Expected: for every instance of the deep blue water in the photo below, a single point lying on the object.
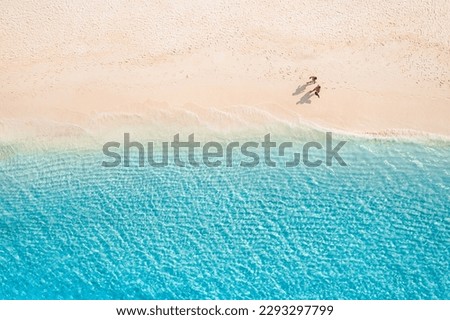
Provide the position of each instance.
(378, 228)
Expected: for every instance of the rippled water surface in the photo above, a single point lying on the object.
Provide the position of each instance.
(376, 229)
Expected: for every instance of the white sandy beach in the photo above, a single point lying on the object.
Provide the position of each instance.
(95, 69)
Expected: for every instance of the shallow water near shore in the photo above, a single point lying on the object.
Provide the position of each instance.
(378, 228)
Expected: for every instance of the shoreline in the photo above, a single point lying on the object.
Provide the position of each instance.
(308, 132)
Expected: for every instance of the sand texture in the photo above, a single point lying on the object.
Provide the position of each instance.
(73, 69)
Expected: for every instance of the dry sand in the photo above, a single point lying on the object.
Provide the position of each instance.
(77, 69)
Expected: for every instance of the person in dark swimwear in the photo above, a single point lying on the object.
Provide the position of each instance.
(312, 80)
(316, 91)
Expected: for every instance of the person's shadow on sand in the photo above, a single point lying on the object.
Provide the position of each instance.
(306, 98)
(300, 89)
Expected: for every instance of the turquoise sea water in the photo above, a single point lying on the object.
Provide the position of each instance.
(376, 229)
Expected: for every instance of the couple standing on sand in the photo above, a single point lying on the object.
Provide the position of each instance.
(316, 90)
